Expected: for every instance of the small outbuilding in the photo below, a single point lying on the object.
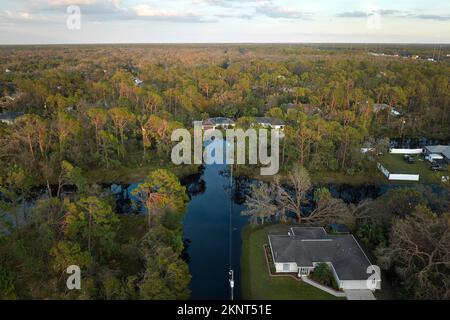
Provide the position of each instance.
(9, 117)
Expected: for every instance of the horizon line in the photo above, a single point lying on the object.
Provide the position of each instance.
(222, 43)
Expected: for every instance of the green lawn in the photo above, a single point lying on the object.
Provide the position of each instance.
(256, 282)
(396, 165)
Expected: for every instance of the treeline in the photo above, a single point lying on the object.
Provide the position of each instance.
(94, 111)
(120, 257)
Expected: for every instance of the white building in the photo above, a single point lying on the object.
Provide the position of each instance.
(438, 152)
(270, 123)
(218, 123)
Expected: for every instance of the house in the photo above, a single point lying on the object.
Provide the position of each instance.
(305, 247)
(377, 107)
(218, 123)
(438, 152)
(9, 117)
(138, 81)
(271, 123)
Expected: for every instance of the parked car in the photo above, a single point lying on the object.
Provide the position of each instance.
(438, 167)
(409, 159)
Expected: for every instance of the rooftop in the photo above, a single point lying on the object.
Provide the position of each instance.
(268, 120)
(218, 121)
(305, 246)
(445, 150)
(9, 116)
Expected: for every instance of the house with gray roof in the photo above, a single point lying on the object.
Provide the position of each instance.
(304, 248)
(9, 117)
(267, 122)
(218, 123)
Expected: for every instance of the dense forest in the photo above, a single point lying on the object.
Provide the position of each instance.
(85, 115)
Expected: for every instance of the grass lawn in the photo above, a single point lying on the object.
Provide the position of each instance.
(322, 177)
(396, 165)
(256, 282)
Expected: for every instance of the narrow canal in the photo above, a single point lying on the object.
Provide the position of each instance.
(210, 215)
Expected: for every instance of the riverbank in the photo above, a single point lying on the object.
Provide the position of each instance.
(257, 284)
(371, 177)
(137, 173)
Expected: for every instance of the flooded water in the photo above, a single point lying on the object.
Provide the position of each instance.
(213, 223)
(207, 224)
(212, 227)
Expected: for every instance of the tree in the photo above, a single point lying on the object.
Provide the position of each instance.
(145, 132)
(14, 187)
(166, 277)
(7, 286)
(108, 146)
(161, 191)
(92, 222)
(71, 174)
(292, 200)
(66, 253)
(260, 204)
(98, 117)
(67, 127)
(329, 210)
(121, 117)
(419, 253)
(152, 101)
(32, 130)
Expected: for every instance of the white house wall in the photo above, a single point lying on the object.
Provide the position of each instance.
(356, 285)
(292, 267)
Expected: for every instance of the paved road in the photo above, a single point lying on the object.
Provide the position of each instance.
(359, 295)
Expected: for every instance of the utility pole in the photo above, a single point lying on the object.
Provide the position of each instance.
(231, 273)
(401, 132)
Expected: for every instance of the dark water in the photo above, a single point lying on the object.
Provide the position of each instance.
(212, 228)
(413, 143)
(207, 228)
(207, 223)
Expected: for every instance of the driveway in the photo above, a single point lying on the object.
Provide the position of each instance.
(359, 295)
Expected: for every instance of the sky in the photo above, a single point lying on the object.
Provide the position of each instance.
(224, 21)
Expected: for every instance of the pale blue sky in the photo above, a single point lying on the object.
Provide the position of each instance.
(169, 21)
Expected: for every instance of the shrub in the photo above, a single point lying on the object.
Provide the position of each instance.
(322, 274)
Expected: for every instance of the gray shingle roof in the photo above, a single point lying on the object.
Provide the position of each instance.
(218, 121)
(10, 116)
(306, 245)
(268, 120)
(445, 150)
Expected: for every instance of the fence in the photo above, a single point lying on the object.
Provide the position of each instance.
(399, 177)
(404, 177)
(406, 151)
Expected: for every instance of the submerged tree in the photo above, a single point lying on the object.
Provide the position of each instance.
(292, 200)
(260, 204)
(419, 252)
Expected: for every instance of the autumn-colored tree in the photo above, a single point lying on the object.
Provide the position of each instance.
(121, 117)
(98, 117)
